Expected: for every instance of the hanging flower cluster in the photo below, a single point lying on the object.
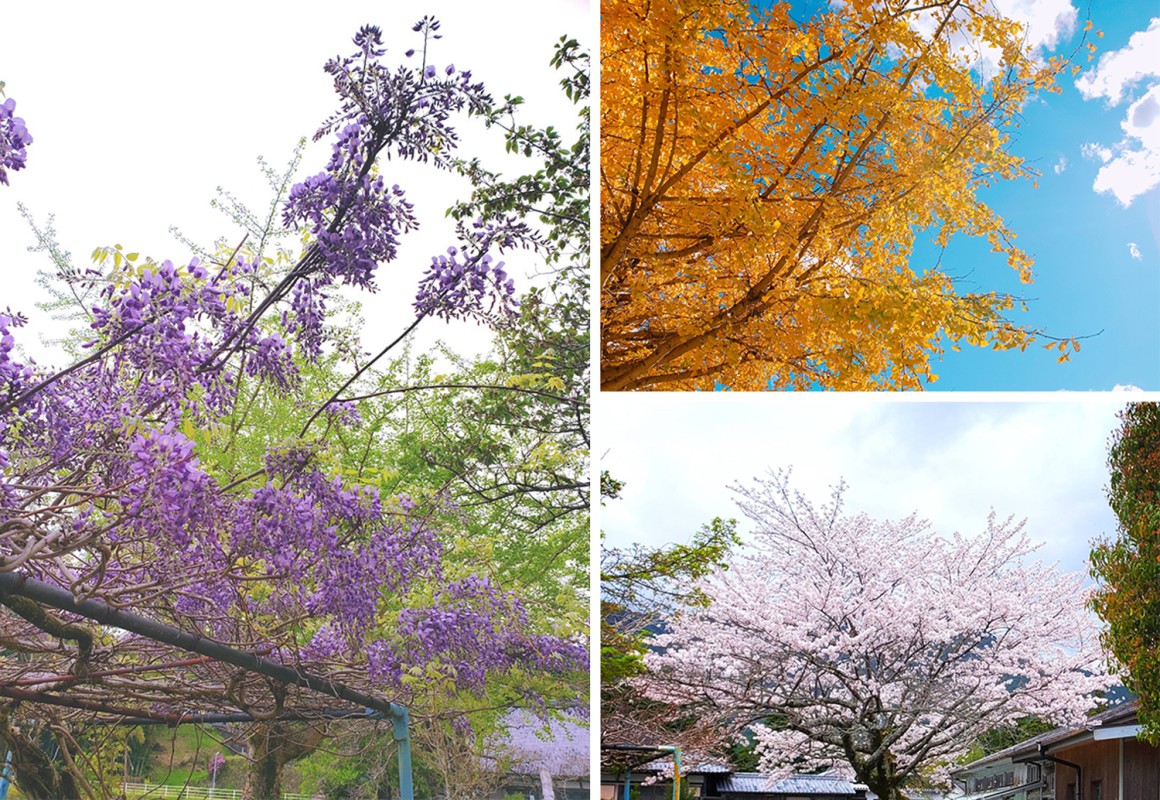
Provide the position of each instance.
(102, 490)
(470, 626)
(470, 282)
(353, 217)
(14, 140)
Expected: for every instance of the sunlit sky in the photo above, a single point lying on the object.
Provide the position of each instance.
(139, 110)
(1093, 225)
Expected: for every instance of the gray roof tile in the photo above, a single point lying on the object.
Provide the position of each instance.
(756, 782)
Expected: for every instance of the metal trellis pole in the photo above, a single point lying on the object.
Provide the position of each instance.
(402, 724)
(5, 781)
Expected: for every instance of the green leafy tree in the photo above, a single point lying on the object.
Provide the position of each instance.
(1128, 565)
(641, 588)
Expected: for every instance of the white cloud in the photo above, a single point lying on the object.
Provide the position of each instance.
(1119, 387)
(1046, 21)
(1134, 251)
(1136, 166)
(1121, 69)
(1093, 150)
(1060, 165)
(1132, 166)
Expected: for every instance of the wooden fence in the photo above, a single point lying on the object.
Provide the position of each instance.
(134, 791)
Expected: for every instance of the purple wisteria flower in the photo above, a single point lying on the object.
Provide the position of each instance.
(14, 140)
(481, 630)
(102, 459)
(166, 311)
(272, 360)
(472, 283)
(354, 218)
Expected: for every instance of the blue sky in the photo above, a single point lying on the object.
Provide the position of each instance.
(1088, 277)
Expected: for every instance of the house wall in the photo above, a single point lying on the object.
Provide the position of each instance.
(612, 786)
(1141, 770)
(1001, 775)
(1100, 762)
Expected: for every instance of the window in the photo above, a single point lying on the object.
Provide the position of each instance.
(1097, 790)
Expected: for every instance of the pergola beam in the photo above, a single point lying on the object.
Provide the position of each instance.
(19, 585)
(13, 583)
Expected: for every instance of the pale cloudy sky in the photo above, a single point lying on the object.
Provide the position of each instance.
(138, 110)
(952, 462)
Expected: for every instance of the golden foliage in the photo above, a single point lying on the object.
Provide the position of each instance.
(763, 179)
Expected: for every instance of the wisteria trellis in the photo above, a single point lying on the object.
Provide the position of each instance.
(102, 490)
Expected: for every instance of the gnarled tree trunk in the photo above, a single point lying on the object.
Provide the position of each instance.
(36, 775)
(274, 745)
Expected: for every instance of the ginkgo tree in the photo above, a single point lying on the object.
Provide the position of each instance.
(877, 646)
(764, 176)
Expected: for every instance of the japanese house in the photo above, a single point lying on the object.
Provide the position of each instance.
(1100, 760)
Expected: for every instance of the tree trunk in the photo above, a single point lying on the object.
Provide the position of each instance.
(272, 747)
(34, 774)
(546, 789)
(881, 776)
(884, 783)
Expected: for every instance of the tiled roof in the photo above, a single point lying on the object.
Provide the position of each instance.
(665, 764)
(709, 768)
(756, 782)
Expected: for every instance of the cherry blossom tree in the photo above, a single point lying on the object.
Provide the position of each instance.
(877, 646)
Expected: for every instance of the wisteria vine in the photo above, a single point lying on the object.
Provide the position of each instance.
(103, 492)
(14, 140)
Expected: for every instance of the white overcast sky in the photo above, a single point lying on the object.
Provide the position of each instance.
(951, 462)
(138, 110)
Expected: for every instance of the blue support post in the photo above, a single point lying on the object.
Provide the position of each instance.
(627, 783)
(5, 778)
(401, 720)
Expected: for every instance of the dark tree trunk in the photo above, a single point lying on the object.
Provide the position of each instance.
(272, 747)
(36, 775)
(880, 774)
(883, 781)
